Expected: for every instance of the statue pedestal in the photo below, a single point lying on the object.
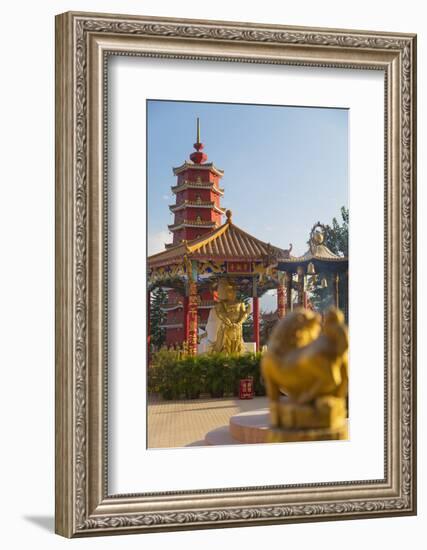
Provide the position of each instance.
(205, 346)
(282, 435)
(254, 427)
(325, 412)
(247, 427)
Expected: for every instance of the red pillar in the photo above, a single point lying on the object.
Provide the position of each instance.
(193, 303)
(288, 283)
(281, 300)
(255, 314)
(301, 289)
(185, 318)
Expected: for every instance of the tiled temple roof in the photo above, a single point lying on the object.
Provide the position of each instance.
(317, 252)
(227, 242)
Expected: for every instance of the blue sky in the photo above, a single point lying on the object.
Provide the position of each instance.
(285, 168)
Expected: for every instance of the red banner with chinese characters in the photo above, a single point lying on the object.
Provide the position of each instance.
(246, 388)
(239, 267)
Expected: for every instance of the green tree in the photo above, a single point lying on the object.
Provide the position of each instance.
(158, 298)
(336, 236)
(336, 239)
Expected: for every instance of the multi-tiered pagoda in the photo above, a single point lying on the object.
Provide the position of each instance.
(197, 207)
(197, 211)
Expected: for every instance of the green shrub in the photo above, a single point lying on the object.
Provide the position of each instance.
(175, 375)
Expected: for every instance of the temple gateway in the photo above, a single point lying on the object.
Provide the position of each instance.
(211, 265)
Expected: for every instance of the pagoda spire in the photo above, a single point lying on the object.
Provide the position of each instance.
(198, 157)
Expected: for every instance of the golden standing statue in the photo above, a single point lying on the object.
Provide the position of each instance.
(231, 315)
(308, 361)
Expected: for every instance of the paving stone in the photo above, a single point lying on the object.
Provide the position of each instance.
(185, 423)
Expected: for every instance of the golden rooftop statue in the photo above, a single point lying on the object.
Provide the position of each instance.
(308, 361)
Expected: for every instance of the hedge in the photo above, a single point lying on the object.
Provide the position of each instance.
(174, 375)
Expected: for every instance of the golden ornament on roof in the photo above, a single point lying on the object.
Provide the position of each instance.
(317, 234)
(318, 237)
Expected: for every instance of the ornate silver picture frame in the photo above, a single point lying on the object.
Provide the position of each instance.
(84, 42)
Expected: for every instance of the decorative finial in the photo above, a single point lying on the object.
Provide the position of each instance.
(317, 235)
(198, 157)
(229, 215)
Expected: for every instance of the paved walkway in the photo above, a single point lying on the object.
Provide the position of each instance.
(185, 423)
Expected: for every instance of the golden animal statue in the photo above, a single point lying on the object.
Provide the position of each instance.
(308, 362)
(231, 315)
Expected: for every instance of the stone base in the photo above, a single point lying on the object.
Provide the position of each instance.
(325, 412)
(250, 427)
(281, 435)
(254, 427)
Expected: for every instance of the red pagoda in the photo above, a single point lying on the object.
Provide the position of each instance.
(197, 211)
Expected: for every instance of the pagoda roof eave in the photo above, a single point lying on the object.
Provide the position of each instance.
(191, 165)
(194, 204)
(321, 257)
(189, 223)
(311, 258)
(195, 185)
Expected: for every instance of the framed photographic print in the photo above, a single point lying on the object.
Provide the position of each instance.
(235, 274)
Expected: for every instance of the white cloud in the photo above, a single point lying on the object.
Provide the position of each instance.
(166, 197)
(156, 241)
